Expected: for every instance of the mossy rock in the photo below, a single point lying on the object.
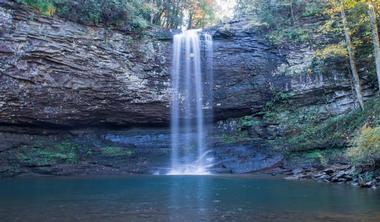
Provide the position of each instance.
(67, 153)
(113, 151)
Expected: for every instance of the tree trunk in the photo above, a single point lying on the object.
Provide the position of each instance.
(375, 36)
(292, 12)
(190, 23)
(351, 53)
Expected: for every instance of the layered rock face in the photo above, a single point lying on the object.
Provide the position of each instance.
(244, 64)
(57, 73)
(58, 77)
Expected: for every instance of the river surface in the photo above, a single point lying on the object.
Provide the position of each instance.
(182, 199)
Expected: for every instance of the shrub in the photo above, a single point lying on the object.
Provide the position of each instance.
(46, 7)
(289, 34)
(308, 129)
(313, 9)
(246, 122)
(316, 157)
(366, 146)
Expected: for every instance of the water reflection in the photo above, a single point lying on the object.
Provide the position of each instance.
(189, 197)
(183, 199)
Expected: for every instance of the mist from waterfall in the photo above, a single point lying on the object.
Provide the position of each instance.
(191, 102)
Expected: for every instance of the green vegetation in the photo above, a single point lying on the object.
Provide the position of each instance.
(123, 14)
(46, 7)
(366, 146)
(246, 122)
(238, 129)
(341, 36)
(129, 14)
(60, 153)
(289, 21)
(111, 151)
(294, 34)
(308, 128)
(333, 52)
(318, 24)
(313, 134)
(317, 157)
(283, 21)
(65, 153)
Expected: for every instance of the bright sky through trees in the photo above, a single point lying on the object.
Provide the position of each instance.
(225, 9)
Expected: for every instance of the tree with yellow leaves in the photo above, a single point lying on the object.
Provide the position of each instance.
(201, 13)
(341, 6)
(373, 6)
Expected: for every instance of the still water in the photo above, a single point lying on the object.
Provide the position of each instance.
(182, 199)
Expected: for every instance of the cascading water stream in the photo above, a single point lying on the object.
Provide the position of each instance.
(191, 103)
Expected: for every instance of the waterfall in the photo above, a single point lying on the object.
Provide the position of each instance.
(191, 102)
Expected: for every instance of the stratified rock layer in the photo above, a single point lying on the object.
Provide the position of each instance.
(55, 72)
(59, 73)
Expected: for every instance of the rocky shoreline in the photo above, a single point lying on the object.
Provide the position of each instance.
(365, 177)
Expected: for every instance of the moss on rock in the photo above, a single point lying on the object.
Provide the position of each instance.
(39, 155)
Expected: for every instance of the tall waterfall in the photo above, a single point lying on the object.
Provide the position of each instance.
(191, 102)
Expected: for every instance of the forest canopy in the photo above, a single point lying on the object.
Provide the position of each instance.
(173, 14)
(132, 14)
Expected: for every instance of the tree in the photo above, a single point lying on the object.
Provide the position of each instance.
(274, 12)
(201, 13)
(130, 14)
(375, 38)
(171, 13)
(340, 6)
(351, 53)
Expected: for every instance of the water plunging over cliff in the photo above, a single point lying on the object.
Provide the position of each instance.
(191, 103)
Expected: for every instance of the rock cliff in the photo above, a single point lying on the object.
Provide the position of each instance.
(57, 73)
(58, 78)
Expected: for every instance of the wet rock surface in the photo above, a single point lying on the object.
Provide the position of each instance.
(244, 158)
(116, 152)
(85, 152)
(365, 177)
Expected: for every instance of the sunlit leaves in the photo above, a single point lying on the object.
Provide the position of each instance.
(337, 5)
(46, 7)
(366, 146)
(332, 50)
